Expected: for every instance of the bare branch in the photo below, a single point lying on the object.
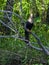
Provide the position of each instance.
(40, 43)
(20, 38)
(11, 13)
(7, 26)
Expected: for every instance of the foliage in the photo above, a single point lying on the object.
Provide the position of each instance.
(18, 46)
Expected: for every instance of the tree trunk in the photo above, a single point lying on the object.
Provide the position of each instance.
(47, 17)
(8, 7)
(35, 8)
(43, 15)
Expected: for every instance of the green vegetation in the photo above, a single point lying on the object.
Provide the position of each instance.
(10, 46)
